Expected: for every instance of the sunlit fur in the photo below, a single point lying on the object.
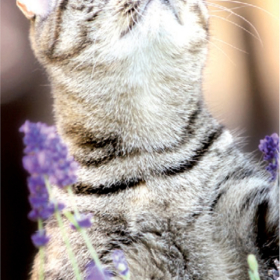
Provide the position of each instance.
(165, 181)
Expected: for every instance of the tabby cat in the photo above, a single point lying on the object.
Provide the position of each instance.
(166, 182)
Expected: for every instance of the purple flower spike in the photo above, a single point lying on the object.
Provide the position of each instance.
(84, 221)
(40, 239)
(48, 155)
(60, 206)
(39, 199)
(120, 262)
(36, 135)
(94, 273)
(43, 212)
(269, 146)
(36, 184)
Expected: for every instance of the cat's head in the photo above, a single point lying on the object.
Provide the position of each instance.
(86, 33)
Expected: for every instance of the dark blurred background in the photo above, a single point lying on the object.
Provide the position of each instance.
(240, 88)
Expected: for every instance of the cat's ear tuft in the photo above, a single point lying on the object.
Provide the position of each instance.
(32, 8)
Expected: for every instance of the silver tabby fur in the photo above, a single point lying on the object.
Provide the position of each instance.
(166, 183)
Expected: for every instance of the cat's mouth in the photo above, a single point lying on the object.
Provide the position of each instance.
(174, 8)
(135, 13)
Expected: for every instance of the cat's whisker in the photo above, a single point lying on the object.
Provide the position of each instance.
(133, 19)
(234, 8)
(239, 16)
(140, 14)
(230, 45)
(223, 52)
(240, 26)
(248, 5)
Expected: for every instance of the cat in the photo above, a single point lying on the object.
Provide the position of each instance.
(166, 182)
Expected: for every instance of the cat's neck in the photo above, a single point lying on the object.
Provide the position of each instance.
(142, 112)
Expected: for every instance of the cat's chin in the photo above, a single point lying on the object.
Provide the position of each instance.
(164, 27)
(162, 31)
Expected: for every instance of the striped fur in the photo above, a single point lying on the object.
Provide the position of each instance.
(165, 181)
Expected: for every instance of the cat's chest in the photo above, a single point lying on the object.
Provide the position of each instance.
(167, 242)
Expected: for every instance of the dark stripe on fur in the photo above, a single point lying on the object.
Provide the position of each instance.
(131, 13)
(190, 129)
(133, 182)
(113, 144)
(108, 189)
(96, 162)
(253, 196)
(131, 24)
(55, 38)
(93, 16)
(57, 26)
(237, 174)
(84, 138)
(215, 201)
(199, 153)
(101, 143)
(266, 239)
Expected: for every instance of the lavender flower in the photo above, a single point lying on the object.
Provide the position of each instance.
(94, 273)
(39, 199)
(121, 263)
(36, 135)
(83, 221)
(40, 239)
(269, 146)
(47, 155)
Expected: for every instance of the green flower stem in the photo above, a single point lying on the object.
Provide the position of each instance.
(82, 231)
(93, 253)
(251, 275)
(91, 249)
(126, 277)
(40, 224)
(64, 235)
(68, 246)
(71, 218)
(73, 203)
(253, 266)
(41, 252)
(49, 189)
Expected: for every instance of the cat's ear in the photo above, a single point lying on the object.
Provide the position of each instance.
(31, 8)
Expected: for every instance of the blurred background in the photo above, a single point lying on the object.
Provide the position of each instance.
(241, 87)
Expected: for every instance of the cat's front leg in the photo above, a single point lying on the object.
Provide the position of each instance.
(246, 216)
